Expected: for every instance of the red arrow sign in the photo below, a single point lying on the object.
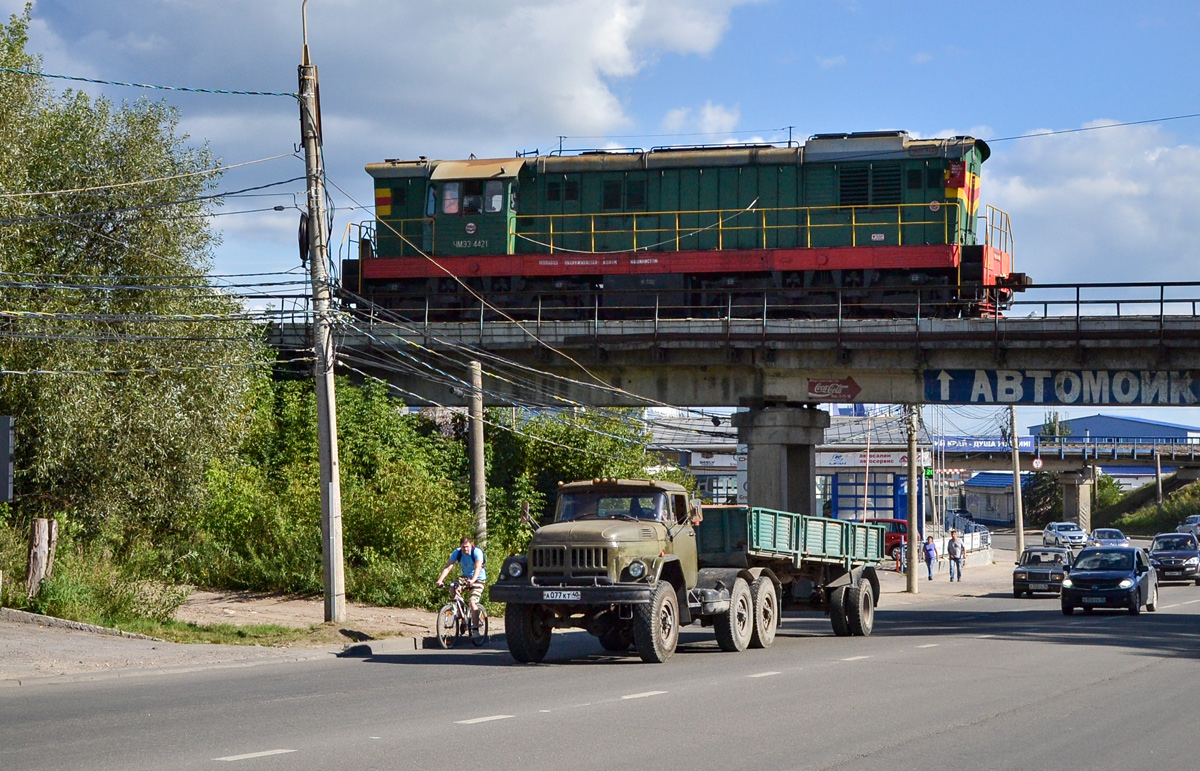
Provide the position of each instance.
(833, 390)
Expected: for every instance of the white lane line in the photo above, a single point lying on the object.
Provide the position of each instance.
(643, 695)
(250, 755)
(1164, 607)
(984, 636)
(856, 658)
(763, 674)
(930, 645)
(1189, 602)
(487, 719)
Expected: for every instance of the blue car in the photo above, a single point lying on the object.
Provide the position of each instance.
(1110, 577)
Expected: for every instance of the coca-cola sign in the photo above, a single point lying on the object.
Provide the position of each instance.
(843, 390)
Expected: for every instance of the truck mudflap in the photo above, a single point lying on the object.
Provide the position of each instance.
(616, 594)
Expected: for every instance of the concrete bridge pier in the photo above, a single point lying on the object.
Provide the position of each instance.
(1077, 497)
(781, 463)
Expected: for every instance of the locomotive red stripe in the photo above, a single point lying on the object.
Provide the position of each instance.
(632, 263)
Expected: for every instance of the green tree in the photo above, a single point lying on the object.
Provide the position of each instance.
(126, 372)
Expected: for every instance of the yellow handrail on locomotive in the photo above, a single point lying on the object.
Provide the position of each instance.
(557, 226)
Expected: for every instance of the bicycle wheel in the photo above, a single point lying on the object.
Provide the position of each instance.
(479, 631)
(447, 626)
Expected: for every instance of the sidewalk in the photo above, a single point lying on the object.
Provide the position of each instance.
(978, 581)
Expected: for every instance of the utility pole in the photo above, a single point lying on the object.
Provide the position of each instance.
(318, 257)
(1158, 488)
(914, 532)
(1018, 514)
(478, 467)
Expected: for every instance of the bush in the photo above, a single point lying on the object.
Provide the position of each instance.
(1147, 520)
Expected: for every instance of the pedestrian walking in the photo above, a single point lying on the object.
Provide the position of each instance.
(930, 555)
(956, 553)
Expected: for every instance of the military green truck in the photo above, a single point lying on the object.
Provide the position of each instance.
(633, 560)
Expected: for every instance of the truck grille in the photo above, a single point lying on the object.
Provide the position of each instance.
(580, 561)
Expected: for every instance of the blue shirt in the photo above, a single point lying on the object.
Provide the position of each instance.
(466, 562)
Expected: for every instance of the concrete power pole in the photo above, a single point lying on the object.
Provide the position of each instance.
(1018, 513)
(318, 253)
(478, 466)
(914, 488)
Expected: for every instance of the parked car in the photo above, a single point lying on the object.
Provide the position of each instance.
(1064, 534)
(1110, 577)
(1190, 524)
(1107, 536)
(895, 534)
(1041, 570)
(1176, 557)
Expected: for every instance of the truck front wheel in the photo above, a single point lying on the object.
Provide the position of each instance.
(766, 612)
(735, 626)
(528, 632)
(656, 625)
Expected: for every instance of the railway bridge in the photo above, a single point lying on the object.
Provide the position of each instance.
(1059, 345)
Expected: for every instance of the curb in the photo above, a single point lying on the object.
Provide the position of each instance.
(391, 645)
(25, 617)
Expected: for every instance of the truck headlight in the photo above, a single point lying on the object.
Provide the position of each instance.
(1125, 583)
(515, 569)
(637, 569)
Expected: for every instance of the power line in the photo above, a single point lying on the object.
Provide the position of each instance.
(94, 188)
(190, 89)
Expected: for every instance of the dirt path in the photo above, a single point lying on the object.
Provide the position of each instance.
(243, 608)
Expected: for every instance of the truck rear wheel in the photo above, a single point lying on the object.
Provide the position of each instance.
(656, 625)
(766, 612)
(735, 626)
(837, 611)
(528, 632)
(860, 609)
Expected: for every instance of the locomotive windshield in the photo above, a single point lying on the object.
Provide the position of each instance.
(640, 505)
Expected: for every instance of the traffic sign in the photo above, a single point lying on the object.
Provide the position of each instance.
(1037, 463)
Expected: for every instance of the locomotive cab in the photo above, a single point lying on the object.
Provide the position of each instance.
(470, 207)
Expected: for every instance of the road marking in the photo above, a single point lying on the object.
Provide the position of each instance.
(1176, 605)
(984, 636)
(643, 695)
(930, 645)
(856, 658)
(763, 674)
(1189, 602)
(487, 719)
(250, 755)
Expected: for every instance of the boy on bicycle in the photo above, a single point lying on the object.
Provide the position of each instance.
(470, 562)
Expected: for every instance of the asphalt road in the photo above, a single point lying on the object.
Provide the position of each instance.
(946, 681)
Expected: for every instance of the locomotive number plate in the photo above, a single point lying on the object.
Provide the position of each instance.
(556, 595)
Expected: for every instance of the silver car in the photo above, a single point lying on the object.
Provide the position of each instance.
(1108, 536)
(1190, 525)
(1064, 534)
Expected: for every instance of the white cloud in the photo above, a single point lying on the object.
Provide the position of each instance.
(708, 119)
(830, 62)
(1114, 204)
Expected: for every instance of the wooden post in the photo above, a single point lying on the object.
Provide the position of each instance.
(39, 553)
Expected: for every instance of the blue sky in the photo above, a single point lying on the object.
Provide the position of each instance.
(445, 79)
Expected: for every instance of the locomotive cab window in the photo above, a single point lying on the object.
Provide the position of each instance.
(472, 196)
(493, 196)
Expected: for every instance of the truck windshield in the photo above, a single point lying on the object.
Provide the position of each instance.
(641, 505)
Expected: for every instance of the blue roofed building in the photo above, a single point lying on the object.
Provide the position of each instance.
(988, 496)
(1120, 428)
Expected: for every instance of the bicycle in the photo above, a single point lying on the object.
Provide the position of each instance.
(454, 620)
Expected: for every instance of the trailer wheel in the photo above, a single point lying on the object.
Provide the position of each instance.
(860, 609)
(734, 627)
(766, 612)
(656, 625)
(527, 631)
(837, 611)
